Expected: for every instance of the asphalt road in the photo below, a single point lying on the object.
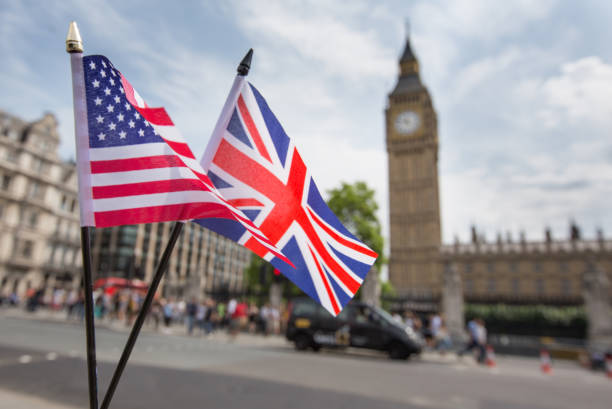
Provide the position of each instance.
(42, 365)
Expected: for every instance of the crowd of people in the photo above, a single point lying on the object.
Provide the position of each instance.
(199, 317)
(203, 317)
(437, 337)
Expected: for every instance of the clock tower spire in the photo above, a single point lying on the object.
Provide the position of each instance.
(412, 145)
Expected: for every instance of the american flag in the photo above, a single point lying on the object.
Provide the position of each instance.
(140, 168)
(256, 167)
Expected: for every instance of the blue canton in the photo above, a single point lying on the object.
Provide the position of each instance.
(112, 120)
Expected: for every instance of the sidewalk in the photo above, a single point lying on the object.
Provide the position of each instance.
(13, 400)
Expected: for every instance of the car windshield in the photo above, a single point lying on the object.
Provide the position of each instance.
(385, 316)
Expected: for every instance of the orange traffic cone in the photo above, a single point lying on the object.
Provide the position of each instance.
(609, 365)
(545, 363)
(490, 357)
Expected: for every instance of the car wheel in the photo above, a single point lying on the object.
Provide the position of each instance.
(398, 351)
(302, 342)
(316, 347)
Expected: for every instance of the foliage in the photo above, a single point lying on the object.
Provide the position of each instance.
(539, 320)
(259, 276)
(355, 206)
(387, 293)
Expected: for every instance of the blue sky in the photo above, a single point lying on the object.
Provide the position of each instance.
(523, 89)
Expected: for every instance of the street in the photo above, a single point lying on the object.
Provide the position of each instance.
(42, 365)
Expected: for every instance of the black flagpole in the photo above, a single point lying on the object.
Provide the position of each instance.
(89, 319)
(142, 314)
(74, 46)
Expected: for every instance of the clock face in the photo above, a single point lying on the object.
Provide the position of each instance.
(407, 122)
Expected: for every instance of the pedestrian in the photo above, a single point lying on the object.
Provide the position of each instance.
(191, 309)
(168, 308)
(481, 340)
(201, 317)
(472, 329)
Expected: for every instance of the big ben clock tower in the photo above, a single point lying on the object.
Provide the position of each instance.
(412, 145)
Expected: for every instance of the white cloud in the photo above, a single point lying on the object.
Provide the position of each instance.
(581, 93)
(329, 37)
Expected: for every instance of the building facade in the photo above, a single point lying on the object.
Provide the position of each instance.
(40, 244)
(549, 271)
(39, 221)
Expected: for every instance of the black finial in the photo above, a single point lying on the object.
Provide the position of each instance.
(245, 64)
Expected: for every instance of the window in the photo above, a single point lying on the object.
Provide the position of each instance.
(490, 267)
(26, 249)
(537, 267)
(6, 182)
(513, 267)
(491, 285)
(12, 155)
(32, 219)
(539, 286)
(566, 287)
(468, 268)
(563, 267)
(1, 210)
(36, 190)
(515, 286)
(469, 286)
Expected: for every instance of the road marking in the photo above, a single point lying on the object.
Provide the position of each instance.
(25, 359)
(51, 356)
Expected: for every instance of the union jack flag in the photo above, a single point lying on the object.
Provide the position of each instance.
(134, 165)
(257, 168)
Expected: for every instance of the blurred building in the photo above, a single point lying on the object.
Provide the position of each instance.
(202, 263)
(39, 221)
(548, 271)
(40, 228)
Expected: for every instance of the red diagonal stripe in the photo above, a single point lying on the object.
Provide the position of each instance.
(181, 148)
(250, 124)
(157, 116)
(328, 288)
(244, 202)
(340, 239)
(125, 165)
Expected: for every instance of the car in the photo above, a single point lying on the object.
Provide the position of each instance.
(359, 325)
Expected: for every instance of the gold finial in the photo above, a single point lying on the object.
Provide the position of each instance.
(74, 44)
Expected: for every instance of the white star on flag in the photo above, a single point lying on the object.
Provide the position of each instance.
(101, 135)
(140, 132)
(103, 74)
(122, 135)
(117, 99)
(112, 126)
(110, 108)
(107, 91)
(92, 65)
(96, 83)
(131, 123)
(98, 101)
(100, 119)
(120, 117)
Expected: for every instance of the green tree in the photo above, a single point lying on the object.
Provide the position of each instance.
(356, 207)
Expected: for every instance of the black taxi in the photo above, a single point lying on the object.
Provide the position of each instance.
(359, 325)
